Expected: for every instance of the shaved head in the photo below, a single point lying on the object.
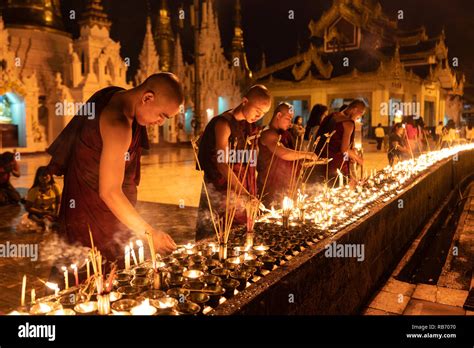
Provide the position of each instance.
(166, 84)
(160, 97)
(282, 116)
(258, 93)
(256, 103)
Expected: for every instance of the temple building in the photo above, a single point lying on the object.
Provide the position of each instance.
(356, 51)
(46, 73)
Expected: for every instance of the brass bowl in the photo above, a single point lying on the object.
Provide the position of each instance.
(86, 307)
(141, 271)
(188, 308)
(124, 305)
(165, 302)
(194, 285)
(230, 285)
(221, 272)
(242, 277)
(210, 279)
(153, 294)
(179, 294)
(200, 298)
(215, 294)
(128, 291)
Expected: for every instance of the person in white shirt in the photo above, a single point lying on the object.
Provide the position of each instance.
(379, 135)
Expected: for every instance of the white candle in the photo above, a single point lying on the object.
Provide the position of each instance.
(88, 268)
(66, 277)
(127, 258)
(341, 178)
(33, 295)
(23, 291)
(76, 275)
(132, 251)
(141, 251)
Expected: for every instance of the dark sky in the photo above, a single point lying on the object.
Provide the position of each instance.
(267, 27)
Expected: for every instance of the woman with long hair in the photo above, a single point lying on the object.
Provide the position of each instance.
(318, 113)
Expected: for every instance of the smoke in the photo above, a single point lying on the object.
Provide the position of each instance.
(54, 248)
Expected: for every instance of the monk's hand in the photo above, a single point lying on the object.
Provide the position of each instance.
(163, 243)
(311, 156)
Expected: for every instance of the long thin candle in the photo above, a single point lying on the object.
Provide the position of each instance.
(23, 291)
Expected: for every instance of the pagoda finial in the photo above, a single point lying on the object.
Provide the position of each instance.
(95, 15)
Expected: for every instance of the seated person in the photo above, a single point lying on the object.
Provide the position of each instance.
(42, 201)
(8, 167)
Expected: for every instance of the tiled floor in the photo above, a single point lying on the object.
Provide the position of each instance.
(398, 297)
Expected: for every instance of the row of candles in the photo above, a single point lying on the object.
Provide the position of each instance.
(334, 208)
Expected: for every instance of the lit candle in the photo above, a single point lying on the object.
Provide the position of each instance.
(88, 268)
(341, 178)
(127, 258)
(53, 286)
(144, 308)
(132, 251)
(23, 291)
(76, 275)
(33, 295)
(66, 277)
(141, 251)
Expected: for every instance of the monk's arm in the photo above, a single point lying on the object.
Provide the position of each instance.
(270, 140)
(222, 131)
(345, 145)
(116, 137)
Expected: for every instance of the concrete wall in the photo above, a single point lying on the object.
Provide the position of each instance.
(343, 285)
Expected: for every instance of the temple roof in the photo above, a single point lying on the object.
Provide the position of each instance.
(94, 14)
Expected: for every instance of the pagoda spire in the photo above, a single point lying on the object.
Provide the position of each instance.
(178, 63)
(239, 57)
(148, 59)
(164, 37)
(95, 15)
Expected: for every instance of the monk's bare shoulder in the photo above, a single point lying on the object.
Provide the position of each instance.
(114, 125)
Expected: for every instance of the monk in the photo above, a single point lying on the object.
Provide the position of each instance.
(279, 173)
(341, 144)
(99, 156)
(222, 134)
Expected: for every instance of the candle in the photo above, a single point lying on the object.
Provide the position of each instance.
(66, 277)
(53, 286)
(141, 252)
(132, 251)
(88, 268)
(143, 309)
(76, 275)
(127, 258)
(193, 274)
(33, 295)
(341, 178)
(23, 291)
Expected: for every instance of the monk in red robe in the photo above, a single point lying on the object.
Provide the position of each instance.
(99, 156)
(279, 173)
(341, 144)
(223, 135)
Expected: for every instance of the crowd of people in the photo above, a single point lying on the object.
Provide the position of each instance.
(100, 183)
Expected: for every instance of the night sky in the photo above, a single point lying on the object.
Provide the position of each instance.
(267, 27)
